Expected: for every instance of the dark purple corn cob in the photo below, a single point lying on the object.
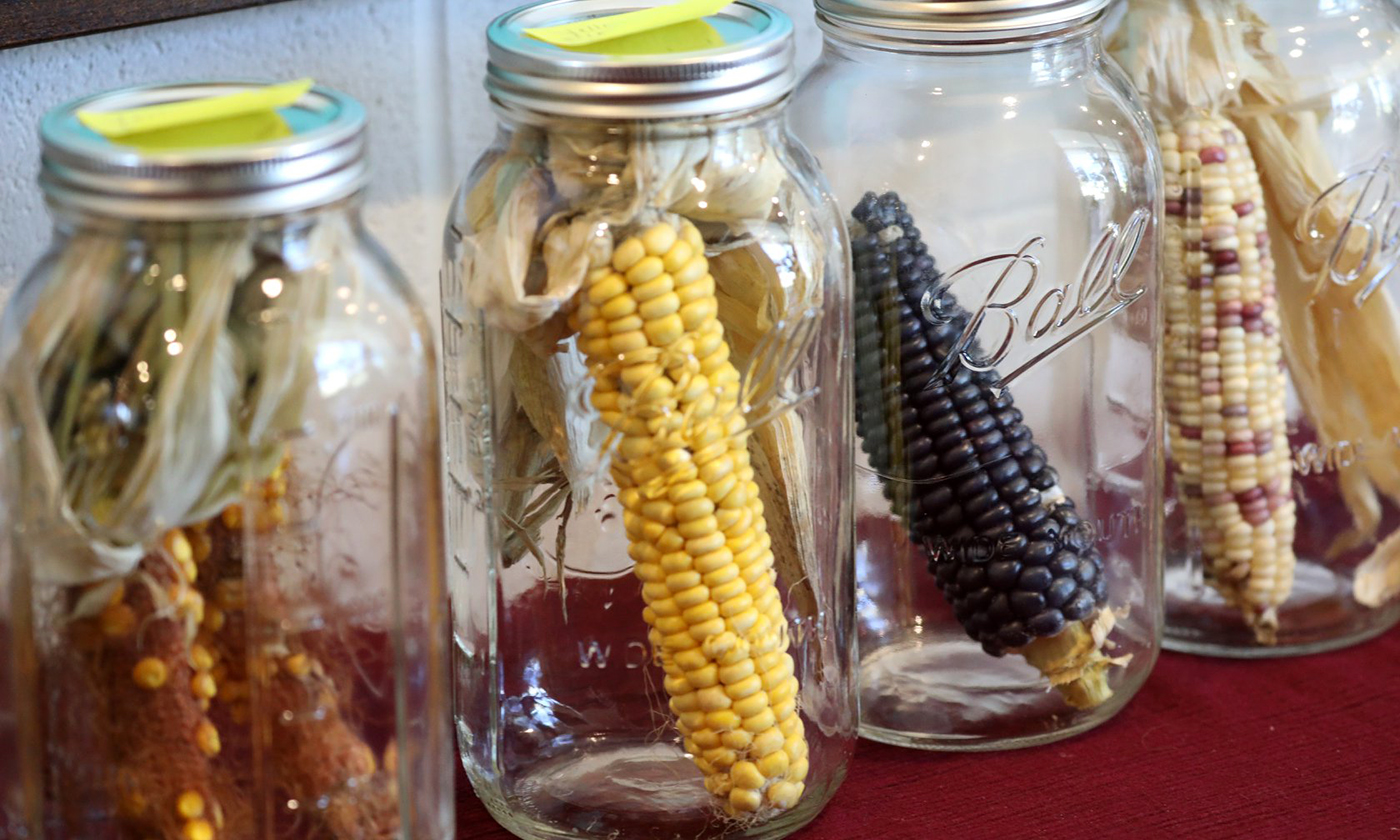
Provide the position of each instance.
(959, 465)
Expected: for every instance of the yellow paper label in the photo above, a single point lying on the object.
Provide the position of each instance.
(677, 38)
(595, 31)
(229, 131)
(197, 122)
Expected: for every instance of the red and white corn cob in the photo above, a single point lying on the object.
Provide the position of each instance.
(1225, 385)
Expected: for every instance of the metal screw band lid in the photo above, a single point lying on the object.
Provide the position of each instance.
(957, 20)
(321, 161)
(752, 68)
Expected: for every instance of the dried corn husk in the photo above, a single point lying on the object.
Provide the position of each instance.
(1378, 577)
(206, 392)
(749, 283)
(568, 189)
(1183, 56)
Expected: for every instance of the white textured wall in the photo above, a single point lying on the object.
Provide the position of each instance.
(416, 64)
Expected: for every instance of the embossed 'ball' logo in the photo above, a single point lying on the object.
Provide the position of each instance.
(1363, 209)
(1058, 313)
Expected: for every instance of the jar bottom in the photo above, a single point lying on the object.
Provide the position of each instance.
(936, 691)
(1319, 615)
(633, 787)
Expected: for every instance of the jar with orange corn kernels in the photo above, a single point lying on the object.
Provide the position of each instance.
(226, 604)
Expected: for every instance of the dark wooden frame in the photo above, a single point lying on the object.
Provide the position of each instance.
(31, 21)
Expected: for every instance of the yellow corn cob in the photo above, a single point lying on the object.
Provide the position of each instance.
(664, 383)
(1225, 387)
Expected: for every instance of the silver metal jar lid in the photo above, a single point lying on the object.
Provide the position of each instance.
(753, 67)
(322, 160)
(958, 20)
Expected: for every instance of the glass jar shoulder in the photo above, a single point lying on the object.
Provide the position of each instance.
(1347, 49)
(229, 298)
(723, 171)
(976, 140)
(549, 199)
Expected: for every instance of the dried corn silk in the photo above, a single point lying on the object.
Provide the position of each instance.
(292, 697)
(1341, 341)
(698, 536)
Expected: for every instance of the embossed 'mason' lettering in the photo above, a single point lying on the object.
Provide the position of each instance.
(1057, 314)
(592, 654)
(1123, 524)
(1314, 458)
(1310, 458)
(1366, 242)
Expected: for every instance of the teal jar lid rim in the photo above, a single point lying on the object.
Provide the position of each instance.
(320, 160)
(752, 68)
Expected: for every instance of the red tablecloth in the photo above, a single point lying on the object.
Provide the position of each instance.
(1210, 749)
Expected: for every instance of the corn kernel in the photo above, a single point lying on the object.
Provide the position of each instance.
(744, 800)
(298, 665)
(200, 544)
(206, 737)
(198, 829)
(190, 805)
(213, 619)
(117, 620)
(774, 764)
(178, 546)
(232, 517)
(784, 795)
(150, 673)
(203, 686)
(201, 658)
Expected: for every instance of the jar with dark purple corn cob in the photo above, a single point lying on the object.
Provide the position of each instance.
(1003, 197)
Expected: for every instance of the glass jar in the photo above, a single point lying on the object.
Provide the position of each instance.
(1280, 135)
(229, 605)
(647, 335)
(1002, 197)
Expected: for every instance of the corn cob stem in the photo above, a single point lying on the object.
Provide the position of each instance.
(663, 382)
(156, 683)
(963, 473)
(1225, 387)
(170, 652)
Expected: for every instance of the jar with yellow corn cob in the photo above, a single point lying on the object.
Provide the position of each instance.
(1280, 139)
(1001, 196)
(647, 339)
(227, 605)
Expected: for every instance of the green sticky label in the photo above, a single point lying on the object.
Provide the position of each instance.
(660, 29)
(244, 117)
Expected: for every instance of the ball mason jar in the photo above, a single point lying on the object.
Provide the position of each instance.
(1280, 137)
(645, 315)
(228, 602)
(1002, 193)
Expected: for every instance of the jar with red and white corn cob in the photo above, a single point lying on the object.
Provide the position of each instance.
(1282, 366)
(1001, 194)
(645, 313)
